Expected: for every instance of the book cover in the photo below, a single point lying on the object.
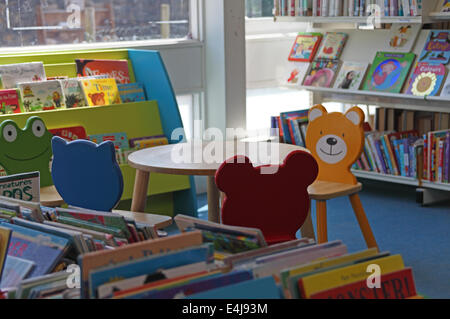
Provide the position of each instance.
(42, 96)
(45, 250)
(12, 74)
(427, 79)
(351, 75)
(99, 92)
(395, 285)
(321, 73)
(445, 92)
(389, 71)
(132, 92)
(332, 46)
(402, 37)
(148, 265)
(305, 47)
(99, 259)
(119, 139)
(10, 101)
(5, 236)
(71, 133)
(445, 8)
(437, 47)
(16, 269)
(284, 127)
(116, 69)
(73, 93)
(297, 72)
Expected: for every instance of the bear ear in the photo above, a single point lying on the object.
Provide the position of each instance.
(234, 171)
(316, 111)
(107, 148)
(302, 165)
(355, 115)
(58, 145)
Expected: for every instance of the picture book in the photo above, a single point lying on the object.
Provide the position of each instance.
(332, 46)
(297, 72)
(16, 269)
(120, 140)
(22, 72)
(427, 79)
(5, 236)
(284, 123)
(148, 141)
(388, 72)
(24, 186)
(437, 47)
(350, 75)
(116, 69)
(445, 8)
(132, 92)
(305, 47)
(445, 92)
(321, 73)
(98, 259)
(99, 92)
(33, 283)
(73, 93)
(402, 37)
(45, 250)
(397, 285)
(148, 265)
(42, 96)
(70, 133)
(10, 101)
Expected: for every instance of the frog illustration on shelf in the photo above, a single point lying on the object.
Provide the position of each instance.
(26, 150)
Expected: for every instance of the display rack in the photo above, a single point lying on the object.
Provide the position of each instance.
(159, 115)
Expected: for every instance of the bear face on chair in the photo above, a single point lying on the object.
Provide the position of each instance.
(336, 141)
(278, 203)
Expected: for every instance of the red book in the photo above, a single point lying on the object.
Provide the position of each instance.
(394, 285)
(117, 69)
(10, 101)
(70, 133)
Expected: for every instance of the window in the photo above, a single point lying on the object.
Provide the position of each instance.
(259, 8)
(49, 22)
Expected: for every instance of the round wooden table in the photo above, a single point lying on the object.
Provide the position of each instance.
(199, 159)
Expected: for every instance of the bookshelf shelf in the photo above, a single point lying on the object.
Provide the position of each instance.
(347, 19)
(440, 15)
(400, 180)
(391, 100)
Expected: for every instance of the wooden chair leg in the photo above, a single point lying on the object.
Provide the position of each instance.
(362, 220)
(321, 214)
(307, 229)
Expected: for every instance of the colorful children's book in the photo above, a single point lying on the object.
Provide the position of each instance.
(445, 6)
(401, 37)
(16, 269)
(388, 72)
(297, 72)
(332, 46)
(99, 92)
(44, 249)
(73, 93)
(305, 47)
(70, 133)
(120, 140)
(321, 73)
(132, 92)
(445, 92)
(427, 79)
(350, 75)
(5, 236)
(42, 96)
(10, 101)
(22, 72)
(117, 69)
(437, 47)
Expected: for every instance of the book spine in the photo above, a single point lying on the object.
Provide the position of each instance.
(390, 155)
(440, 176)
(380, 152)
(345, 8)
(314, 8)
(401, 158)
(436, 160)
(406, 9)
(306, 7)
(447, 158)
(400, 8)
(350, 8)
(293, 8)
(369, 155)
(374, 152)
(425, 157)
(366, 166)
(414, 8)
(405, 158)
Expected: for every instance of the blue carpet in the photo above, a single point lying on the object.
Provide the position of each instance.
(400, 225)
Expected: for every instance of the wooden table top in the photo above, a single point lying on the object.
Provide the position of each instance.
(175, 159)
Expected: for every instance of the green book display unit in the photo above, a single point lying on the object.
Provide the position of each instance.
(159, 115)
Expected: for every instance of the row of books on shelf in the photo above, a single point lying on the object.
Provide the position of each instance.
(115, 258)
(26, 88)
(316, 63)
(347, 8)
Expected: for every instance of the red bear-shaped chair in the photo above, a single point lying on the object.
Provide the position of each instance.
(275, 200)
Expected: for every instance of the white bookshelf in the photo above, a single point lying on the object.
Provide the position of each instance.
(441, 16)
(348, 20)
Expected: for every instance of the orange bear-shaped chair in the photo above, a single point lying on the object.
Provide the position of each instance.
(336, 141)
(275, 200)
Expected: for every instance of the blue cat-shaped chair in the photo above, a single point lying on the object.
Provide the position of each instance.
(87, 175)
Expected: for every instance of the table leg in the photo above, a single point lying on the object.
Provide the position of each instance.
(139, 200)
(213, 201)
